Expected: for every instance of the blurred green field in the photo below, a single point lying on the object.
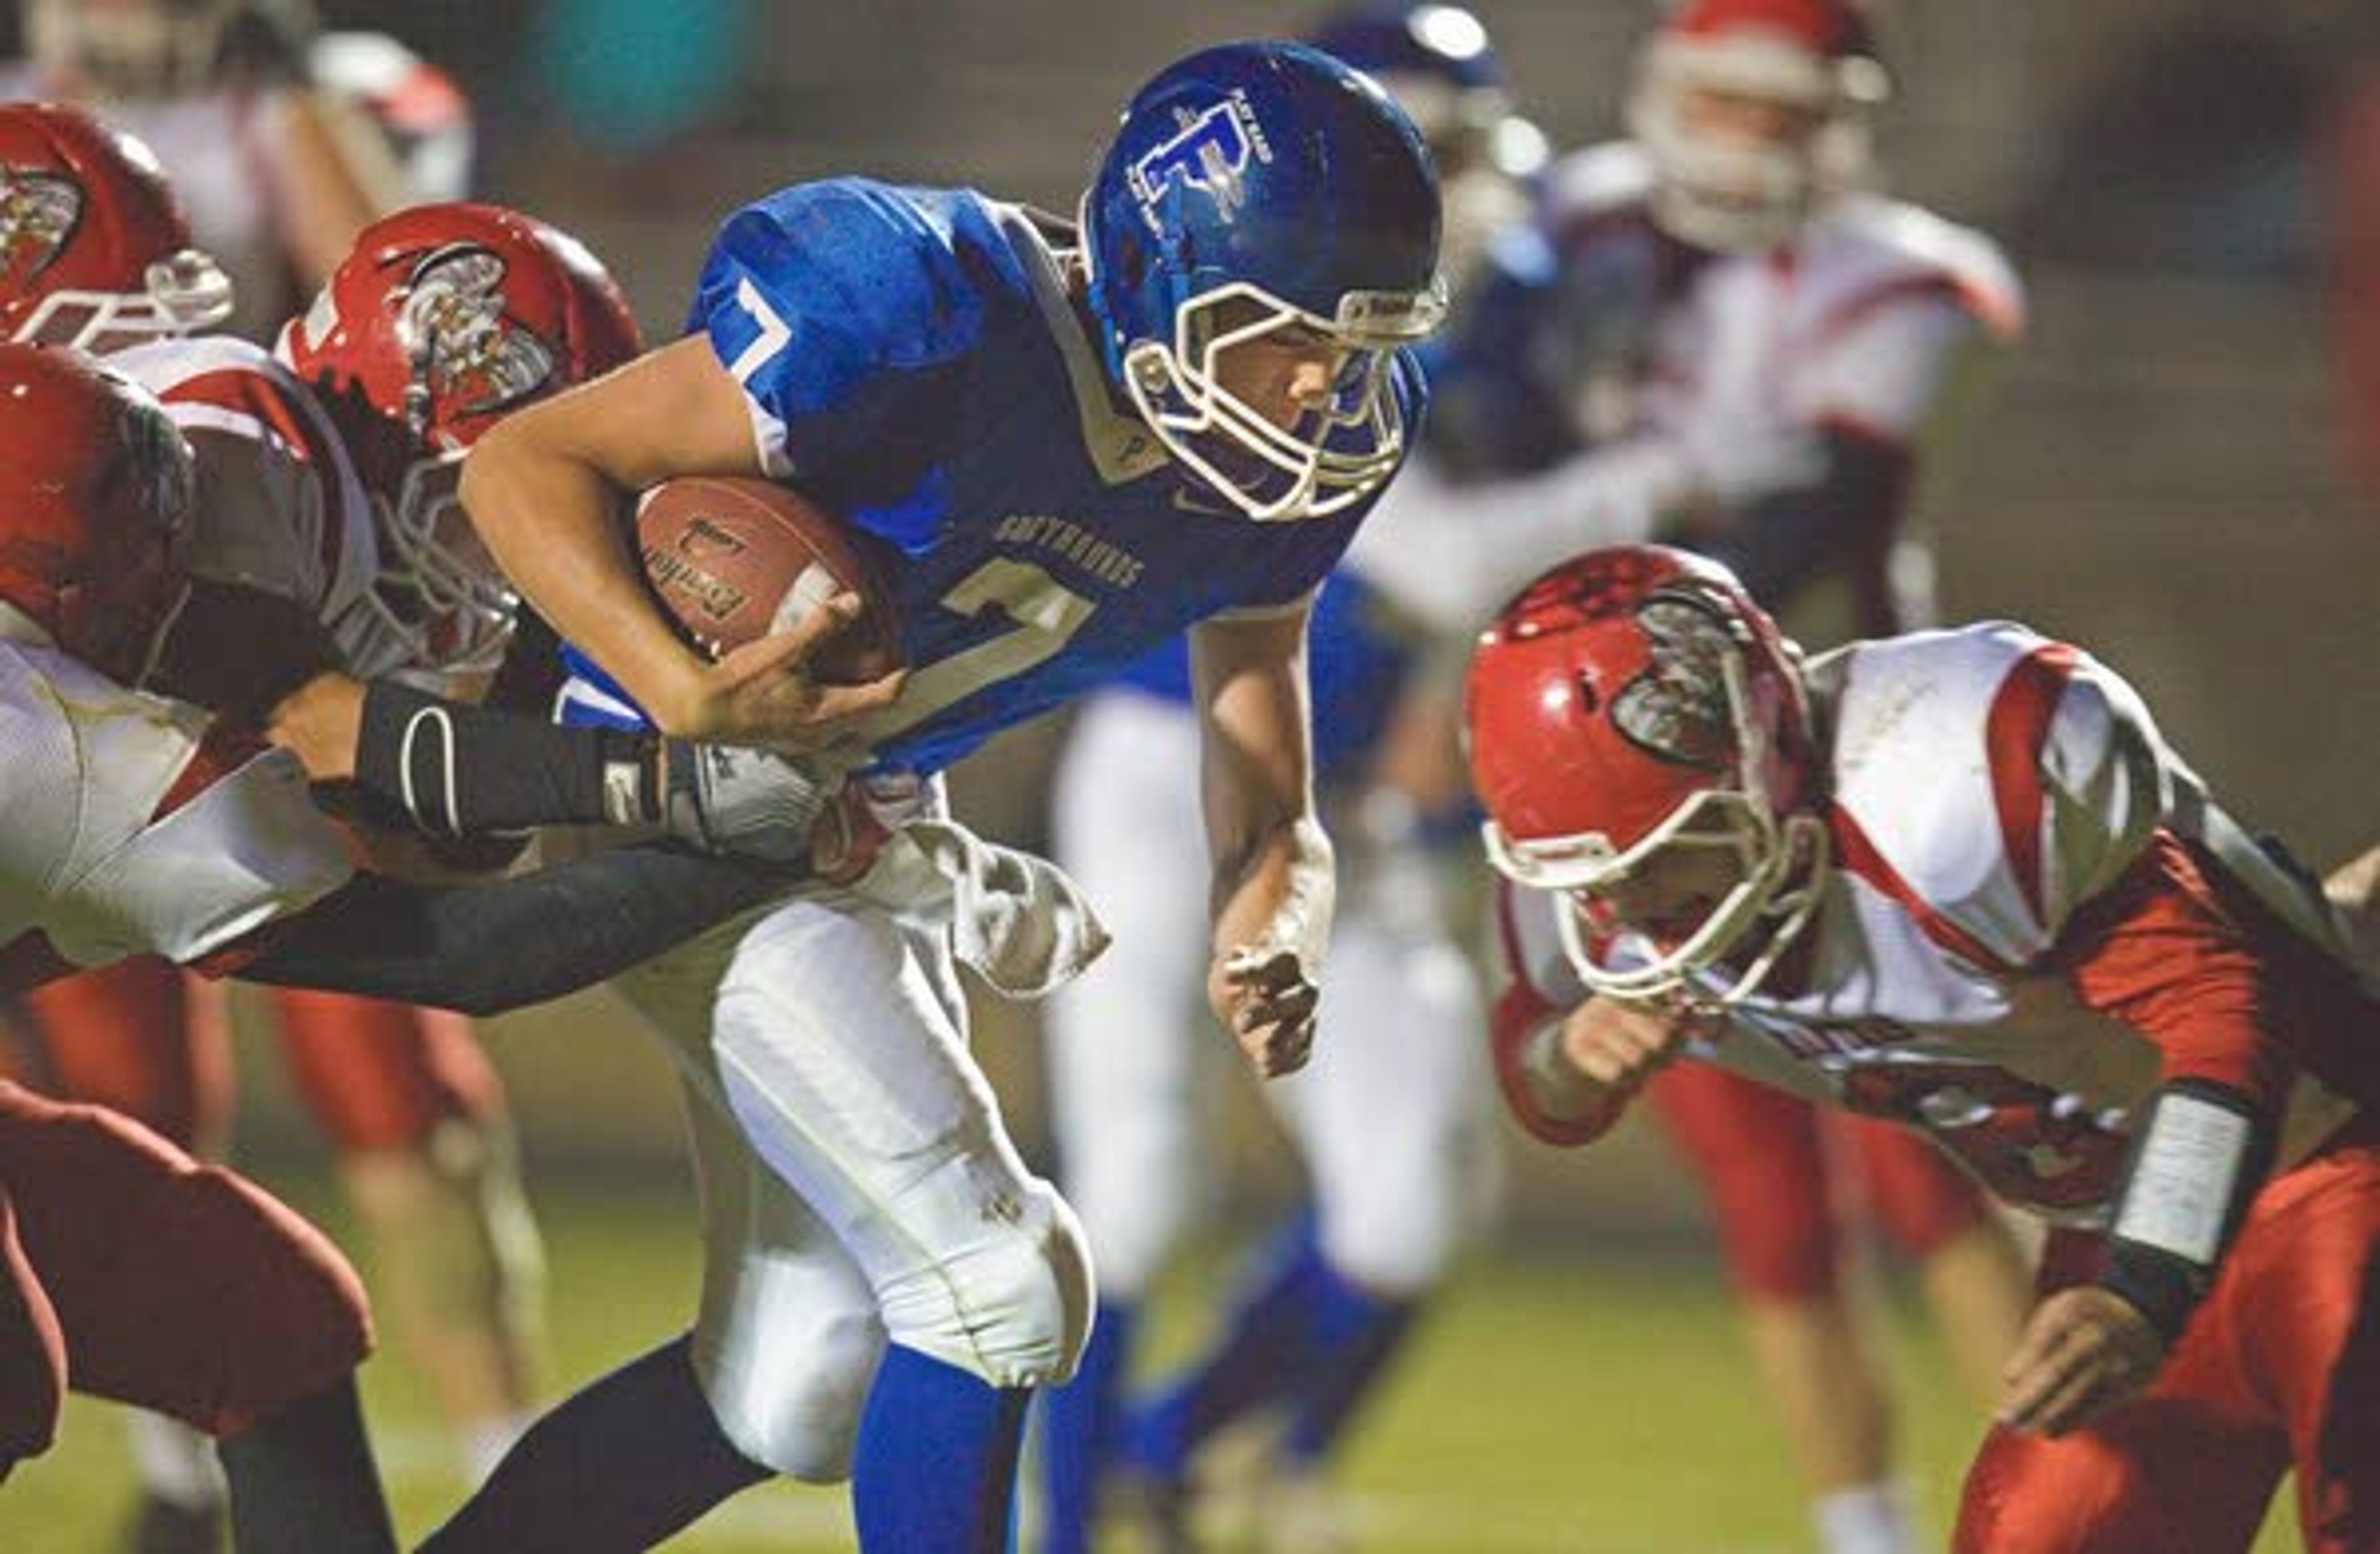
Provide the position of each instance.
(1579, 1403)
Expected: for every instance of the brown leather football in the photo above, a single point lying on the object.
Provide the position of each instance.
(734, 560)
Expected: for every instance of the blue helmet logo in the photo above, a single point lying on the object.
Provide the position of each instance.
(1209, 155)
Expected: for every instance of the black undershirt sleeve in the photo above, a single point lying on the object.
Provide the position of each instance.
(486, 949)
(512, 768)
(237, 651)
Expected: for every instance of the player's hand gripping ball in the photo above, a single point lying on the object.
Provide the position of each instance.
(736, 559)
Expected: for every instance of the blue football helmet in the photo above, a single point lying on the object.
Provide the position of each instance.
(1255, 188)
(1437, 61)
(1441, 67)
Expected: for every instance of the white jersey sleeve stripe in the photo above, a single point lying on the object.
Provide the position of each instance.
(233, 423)
(2016, 732)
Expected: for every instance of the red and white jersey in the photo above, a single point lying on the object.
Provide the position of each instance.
(279, 504)
(1699, 383)
(2033, 916)
(224, 150)
(1857, 324)
(134, 825)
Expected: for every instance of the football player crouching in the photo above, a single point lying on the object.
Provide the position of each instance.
(1957, 881)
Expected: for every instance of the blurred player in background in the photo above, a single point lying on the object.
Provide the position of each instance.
(1071, 446)
(284, 140)
(1955, 880)
(1731, 344)
(1390, 1119)
(414, 1107)
(2353, 231)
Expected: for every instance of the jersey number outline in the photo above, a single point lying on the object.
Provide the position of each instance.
(774, 332)
(1044, 615)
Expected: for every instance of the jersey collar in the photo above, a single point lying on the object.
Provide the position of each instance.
(1121, 448)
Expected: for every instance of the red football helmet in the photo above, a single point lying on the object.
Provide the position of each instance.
(1749, 112)
(441, 320)
(95, 485)
(94, 249)
(1636, 699)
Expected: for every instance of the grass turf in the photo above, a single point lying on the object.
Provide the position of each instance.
(1589, 1402)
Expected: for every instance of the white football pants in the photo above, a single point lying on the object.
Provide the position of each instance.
(1392, 1115)
(858, 1182)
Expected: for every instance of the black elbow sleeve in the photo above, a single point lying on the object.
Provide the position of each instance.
(450, 769)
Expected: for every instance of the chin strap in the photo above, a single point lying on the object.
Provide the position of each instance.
(2202, 1153)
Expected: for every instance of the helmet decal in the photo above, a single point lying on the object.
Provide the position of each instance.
(1677, 709)
(476, 361)
(39, 212)
(1208, 154)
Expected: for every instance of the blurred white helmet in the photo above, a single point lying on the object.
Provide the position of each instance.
(1751, 113)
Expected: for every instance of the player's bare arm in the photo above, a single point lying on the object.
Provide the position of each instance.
(1273, 876)
(338, 178)
(545, 490)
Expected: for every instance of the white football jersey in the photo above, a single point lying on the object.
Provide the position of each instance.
(134, 825)
(1857, 324)
(280, 505)
(2033, 914)
(1690, 384)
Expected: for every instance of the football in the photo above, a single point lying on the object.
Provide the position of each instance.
(735, 560)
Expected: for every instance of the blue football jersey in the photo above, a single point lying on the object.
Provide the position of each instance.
(913, 361)
(1359, 656)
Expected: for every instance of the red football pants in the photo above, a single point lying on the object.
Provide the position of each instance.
(375, 1075)
(2280, 1368)
(175, 1286)
(32, 1351)
(1782, 1173)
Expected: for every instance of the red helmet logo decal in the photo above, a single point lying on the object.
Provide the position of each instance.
(39, 212)
(476, 361)
(1677, 709)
